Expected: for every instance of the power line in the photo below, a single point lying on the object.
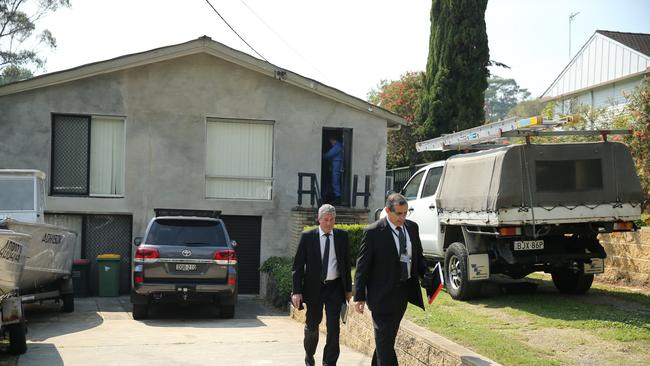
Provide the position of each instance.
(234, 31)
(282, 39)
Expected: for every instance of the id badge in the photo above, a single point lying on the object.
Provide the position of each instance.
(405, 258)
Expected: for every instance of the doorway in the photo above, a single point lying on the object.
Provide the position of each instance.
(342, 136)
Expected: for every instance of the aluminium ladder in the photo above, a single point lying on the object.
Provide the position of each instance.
(486, 136)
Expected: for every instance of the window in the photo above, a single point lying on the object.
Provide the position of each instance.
(410, 191)
(17, 194)
(431, 183)
(568, 175)
(239, 161)
(87, 155)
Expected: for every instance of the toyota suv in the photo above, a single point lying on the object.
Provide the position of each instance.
(185, 258)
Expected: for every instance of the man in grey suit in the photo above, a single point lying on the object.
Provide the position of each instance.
(321, 277)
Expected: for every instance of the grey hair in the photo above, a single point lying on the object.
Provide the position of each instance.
(326, 209)
(395, 199)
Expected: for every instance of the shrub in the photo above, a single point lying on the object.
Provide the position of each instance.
(355, 232)
(279, 269)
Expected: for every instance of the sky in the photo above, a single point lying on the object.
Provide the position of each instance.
(350, 45)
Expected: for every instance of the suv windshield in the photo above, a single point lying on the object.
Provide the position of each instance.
(186, 232)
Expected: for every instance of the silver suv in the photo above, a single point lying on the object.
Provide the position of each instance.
(185, 259)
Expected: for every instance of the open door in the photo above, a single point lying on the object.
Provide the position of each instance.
(341, 161)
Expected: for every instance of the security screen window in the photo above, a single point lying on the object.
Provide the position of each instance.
(87, 155)
(568, 175)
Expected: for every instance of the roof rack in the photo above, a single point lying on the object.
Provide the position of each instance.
(186, 212)
(488, 135)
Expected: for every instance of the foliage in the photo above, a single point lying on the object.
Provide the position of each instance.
(527, 108)
(355, 232)
(279, 268)
(17, 27)
(456, 74)
(639, 142)
(13, 73)
(501, 96)
(402, 98)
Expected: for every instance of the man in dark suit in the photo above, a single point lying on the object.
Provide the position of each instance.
(389, 265)
(321, 277)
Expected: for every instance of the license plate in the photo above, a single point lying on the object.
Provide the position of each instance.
(529, 245)
(184, 267)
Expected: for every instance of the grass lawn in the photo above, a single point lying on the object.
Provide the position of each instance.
(607, 326)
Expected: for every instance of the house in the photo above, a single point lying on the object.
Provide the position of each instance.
(196, 125)
(607, 66)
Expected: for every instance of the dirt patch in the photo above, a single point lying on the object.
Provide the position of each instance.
(584, 349)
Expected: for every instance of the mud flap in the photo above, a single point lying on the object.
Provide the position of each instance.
(478, 267)
(596, 266)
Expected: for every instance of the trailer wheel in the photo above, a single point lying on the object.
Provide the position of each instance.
(17, 339)
(68, 302)
(570, 282)
(456, 274)
(140, 311)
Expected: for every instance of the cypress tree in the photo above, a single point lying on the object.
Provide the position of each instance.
(456, 75)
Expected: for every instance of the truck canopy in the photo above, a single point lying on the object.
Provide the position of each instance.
(539, 175)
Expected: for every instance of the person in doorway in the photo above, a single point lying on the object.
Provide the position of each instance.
(334, 156)
(321, 277)
(389, 265)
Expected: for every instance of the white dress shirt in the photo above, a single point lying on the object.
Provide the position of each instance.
(332, 268)
(409, 247)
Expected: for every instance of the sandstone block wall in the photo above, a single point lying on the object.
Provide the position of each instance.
(628, 257)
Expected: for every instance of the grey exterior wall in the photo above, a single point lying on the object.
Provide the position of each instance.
(165, 106)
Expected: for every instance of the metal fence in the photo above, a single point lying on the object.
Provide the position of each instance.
(400, 176)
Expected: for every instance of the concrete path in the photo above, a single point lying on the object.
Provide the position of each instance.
(101, 331)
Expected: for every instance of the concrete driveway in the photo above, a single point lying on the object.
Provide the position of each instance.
(101, 331)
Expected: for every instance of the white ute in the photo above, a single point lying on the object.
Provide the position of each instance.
(518, 209)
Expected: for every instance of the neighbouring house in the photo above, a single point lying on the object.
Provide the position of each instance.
(607, 66)
(196, 125)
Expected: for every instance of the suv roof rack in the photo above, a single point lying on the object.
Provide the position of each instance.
(215, 214)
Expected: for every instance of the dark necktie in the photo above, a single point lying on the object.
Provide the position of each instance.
(326, 259)
(404, 274)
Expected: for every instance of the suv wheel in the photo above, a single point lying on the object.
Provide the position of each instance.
(140, 311)
(227, 311)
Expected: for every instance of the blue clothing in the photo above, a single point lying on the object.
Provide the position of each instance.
(335, 153)
(335, 157)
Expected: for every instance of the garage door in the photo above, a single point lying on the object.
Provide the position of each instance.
(247, 231)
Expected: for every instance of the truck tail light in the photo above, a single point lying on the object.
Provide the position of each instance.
(138, 278)
(623, 226)
(147, 253)
(510, 231)
(227, 256)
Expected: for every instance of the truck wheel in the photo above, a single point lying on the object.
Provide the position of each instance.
(68, 303)
(456, 274)
(570, 282)
(140, 311)
(17, 339)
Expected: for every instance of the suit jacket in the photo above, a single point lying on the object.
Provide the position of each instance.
(307, 264)
(378, 268)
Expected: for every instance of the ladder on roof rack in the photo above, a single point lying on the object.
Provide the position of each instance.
(485, 136)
